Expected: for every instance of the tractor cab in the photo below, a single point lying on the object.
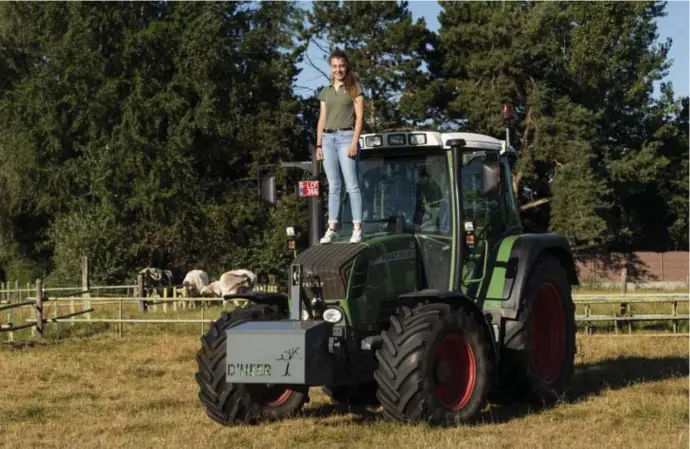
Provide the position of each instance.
(413, 185)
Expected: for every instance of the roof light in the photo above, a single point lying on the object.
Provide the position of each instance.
(374, 141)
(417, 139)
(396, 139)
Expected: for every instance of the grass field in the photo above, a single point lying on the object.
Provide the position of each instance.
(139, 391)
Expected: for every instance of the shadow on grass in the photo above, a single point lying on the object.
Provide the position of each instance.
(593, 378)
(589, 379)
(362, 414)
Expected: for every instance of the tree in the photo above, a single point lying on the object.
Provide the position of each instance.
(136, 130)
(580, 80)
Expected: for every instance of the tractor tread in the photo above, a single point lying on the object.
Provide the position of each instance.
(517, 379)
(231, 403)
(405, 388)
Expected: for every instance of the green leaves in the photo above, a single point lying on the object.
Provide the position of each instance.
(580, 78)
(133, 131)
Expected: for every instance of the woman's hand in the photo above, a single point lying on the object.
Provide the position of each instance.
(352, 151)
(319, 154)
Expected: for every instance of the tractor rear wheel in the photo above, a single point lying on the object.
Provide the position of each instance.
(539, 351)
(433, 366)
(228, 403)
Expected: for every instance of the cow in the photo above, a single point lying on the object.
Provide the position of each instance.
(155, 280)
(235, 281)
(195, 281)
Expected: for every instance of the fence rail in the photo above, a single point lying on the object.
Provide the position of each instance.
(35, 299)
(626, 314)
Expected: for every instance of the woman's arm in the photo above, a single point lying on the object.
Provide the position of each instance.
(319, 131)
(359, 122)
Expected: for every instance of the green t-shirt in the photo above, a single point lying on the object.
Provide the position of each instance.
(340, 108)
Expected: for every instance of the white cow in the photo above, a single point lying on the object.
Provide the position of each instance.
(195, 281)
(235, 281)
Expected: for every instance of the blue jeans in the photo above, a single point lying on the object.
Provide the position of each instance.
(335, 160)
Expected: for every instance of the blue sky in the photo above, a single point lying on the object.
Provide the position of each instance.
(674, 26)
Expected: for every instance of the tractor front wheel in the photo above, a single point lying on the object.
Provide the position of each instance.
(228, 403)
(434, 366)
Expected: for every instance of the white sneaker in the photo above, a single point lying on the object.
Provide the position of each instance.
(356, 236)
(329, 236)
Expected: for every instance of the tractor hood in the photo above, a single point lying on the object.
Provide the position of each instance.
(383, 266)
(332, 263)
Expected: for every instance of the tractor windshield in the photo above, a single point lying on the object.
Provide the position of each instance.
(403, 194)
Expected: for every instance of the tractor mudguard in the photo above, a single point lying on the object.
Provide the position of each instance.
(269, 299)
(525, 251)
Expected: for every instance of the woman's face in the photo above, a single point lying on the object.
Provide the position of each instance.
(338, 68)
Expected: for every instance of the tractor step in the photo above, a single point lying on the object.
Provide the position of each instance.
(280, 352)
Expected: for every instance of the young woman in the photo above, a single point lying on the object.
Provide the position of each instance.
(337, 142)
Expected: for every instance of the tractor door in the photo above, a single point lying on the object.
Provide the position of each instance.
(485, 218)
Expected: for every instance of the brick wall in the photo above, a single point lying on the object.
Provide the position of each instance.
(669, 266)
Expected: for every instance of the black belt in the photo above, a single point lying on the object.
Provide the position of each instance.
(332, 130)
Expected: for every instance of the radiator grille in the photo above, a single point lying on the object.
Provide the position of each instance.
(332, 263)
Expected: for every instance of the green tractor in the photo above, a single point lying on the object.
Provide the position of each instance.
(445, 304)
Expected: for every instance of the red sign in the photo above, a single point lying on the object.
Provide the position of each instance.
(309, 188)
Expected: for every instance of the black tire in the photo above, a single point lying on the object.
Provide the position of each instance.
(539, 352)
(363, 394)
(407, 366)
(228, 403)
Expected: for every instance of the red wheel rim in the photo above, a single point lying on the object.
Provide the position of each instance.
(454, 372)
(270, 395)
(548, 333)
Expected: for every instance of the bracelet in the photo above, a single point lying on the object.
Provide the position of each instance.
(318, 146)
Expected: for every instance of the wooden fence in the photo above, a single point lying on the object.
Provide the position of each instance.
(83, 302)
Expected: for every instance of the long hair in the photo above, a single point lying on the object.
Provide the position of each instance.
(350, 80)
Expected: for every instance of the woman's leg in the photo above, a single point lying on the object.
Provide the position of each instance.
(331, 165)
(349, 168)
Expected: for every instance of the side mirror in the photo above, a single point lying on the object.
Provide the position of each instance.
(267, 189)
(490, 177)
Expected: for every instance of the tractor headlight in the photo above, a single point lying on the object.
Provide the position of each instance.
(305, 314)
(332, 315)
(290, 231)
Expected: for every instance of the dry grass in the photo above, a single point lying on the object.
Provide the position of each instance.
(139, 391)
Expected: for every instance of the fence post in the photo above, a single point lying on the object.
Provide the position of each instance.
(140, 289)
(174, 294)
(624, 290)
(10, 317)
(39, 308)
(119, 324)
(21, 309)
(85, 284)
